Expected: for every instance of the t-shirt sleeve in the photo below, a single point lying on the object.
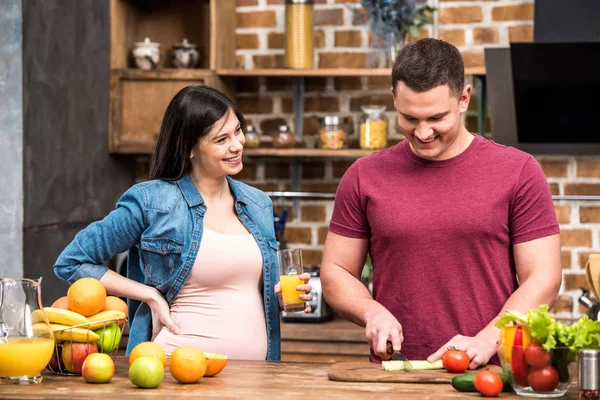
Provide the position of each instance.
(533, 214)
(349, 216)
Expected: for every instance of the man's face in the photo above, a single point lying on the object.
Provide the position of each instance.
(431, 120)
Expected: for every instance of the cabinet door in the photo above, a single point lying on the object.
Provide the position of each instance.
(138, 103)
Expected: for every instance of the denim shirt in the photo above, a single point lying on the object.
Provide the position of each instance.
(160, 224)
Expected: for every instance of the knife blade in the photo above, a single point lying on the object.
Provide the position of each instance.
(398, 357)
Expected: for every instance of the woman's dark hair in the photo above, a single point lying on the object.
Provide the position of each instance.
(427, 63)
(188, 118)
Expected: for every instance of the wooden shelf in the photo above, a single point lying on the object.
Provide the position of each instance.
(284, 72)
(163, 74)
(308, 153)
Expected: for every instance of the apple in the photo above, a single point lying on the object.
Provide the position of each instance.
(74, 354)
(98, 368)
(56, 363)
(110, 337)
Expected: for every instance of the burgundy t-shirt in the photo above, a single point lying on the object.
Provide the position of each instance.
(441, 233)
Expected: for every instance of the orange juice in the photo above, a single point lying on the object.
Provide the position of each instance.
(291, 297)
(25, 356)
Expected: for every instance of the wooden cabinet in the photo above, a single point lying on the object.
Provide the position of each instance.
(332, 341)
(138, 98)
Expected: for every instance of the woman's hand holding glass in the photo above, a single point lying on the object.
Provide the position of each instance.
(306, 288)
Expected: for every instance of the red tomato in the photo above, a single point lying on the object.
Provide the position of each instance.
(455, 360)
(488, 383)
(543, 379)
(536, 356)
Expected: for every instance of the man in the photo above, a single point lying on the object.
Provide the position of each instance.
(458, 227)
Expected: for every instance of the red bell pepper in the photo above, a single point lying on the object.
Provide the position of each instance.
(519, 366)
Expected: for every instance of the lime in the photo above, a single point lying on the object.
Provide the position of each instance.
(146, 372)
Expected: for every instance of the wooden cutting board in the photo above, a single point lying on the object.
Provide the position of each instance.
(374, 372)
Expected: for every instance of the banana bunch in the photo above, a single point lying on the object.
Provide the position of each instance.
(68, 325)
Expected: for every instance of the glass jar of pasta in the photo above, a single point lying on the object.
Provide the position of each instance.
(373, 128)
(332, 134)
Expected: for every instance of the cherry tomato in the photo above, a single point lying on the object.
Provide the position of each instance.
(543, 379)
(488, 383)
(536, 356)
(455, 360)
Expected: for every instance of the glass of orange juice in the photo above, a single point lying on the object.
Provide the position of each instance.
(290, 268)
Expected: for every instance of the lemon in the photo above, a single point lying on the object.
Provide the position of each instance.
(146, 372)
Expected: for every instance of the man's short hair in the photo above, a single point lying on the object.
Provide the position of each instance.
(427, 63)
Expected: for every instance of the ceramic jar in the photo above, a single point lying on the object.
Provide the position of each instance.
(146, 54)
(185, 55)
(284, 138)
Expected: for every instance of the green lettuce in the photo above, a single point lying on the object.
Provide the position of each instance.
(542, 326)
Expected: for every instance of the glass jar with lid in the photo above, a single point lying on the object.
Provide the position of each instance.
(284, 138)
(252, 138)
(373, 128)
(333, 134)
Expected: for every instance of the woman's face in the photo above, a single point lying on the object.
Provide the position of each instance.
(219, 153)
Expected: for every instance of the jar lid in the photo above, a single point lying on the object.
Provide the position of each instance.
(147, 42)
(283, 128)
(589, 353)
(250, 128)
(185, 45)
(299, 1)
(331, 120)
(373, 109)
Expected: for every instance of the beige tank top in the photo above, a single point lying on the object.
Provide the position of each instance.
(220, 308)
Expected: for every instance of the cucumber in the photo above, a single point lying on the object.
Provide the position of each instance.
(466, 382)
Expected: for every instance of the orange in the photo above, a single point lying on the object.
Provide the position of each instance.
(61, 302)
(187, 364)
(214, 363)
(115, 303)
(86, 296)
(150, 349)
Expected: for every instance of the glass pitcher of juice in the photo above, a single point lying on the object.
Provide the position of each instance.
(26, 339)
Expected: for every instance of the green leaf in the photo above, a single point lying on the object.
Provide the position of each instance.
(510, 317)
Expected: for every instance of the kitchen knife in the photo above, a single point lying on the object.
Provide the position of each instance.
(398, 357)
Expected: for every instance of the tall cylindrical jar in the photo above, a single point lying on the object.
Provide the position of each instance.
(589, 374)
(299, 49)
(373, 128)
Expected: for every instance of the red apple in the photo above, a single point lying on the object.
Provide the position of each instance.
(56, 364)
(98, 368)
(74, 354)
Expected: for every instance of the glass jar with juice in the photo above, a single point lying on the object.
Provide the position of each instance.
(26, 339)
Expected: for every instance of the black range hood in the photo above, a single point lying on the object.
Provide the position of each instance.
(545, 96)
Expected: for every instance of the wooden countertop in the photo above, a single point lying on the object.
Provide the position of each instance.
(240, 380)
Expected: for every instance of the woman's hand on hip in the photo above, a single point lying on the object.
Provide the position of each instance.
(161, 315)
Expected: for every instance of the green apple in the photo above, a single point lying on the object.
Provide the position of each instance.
(98, 368)
(110, 337)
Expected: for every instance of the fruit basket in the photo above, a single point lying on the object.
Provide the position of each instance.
(75, 337)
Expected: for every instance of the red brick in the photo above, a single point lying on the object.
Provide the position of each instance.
(589, 214)
(554, 168)
(522, 33)
(270, 2)
(255, 104)
(315, 84)
(268, 61)
(554, 189)
(339, 167)
(244, 3)
(380, 82)
(565, 259)
(277, 84)
(461, 15)
(256, 19)
(248, 172)
(588, 168)
(313, 213)
(333, 17)
(267, 187)
(584, 257)
(277, 170)
(322, 234)
(246, 41)
(360, 17)
(347, 83)
(247, 85)
(311, 126)
(473, 59)
(485, 35)
(319, 187)
(582, 189)
(313, 104)
(454, 36)
(298, 235)
(348, 38)
(319, 38)
(575, 281)
(517, 12)
(576, 237)
(340, 60)
(271, 125)
(563, 303)
(313, 170)
(563, 214)
(276, 40)
(312, 257)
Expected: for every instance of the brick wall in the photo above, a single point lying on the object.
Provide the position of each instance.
(342, 40)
